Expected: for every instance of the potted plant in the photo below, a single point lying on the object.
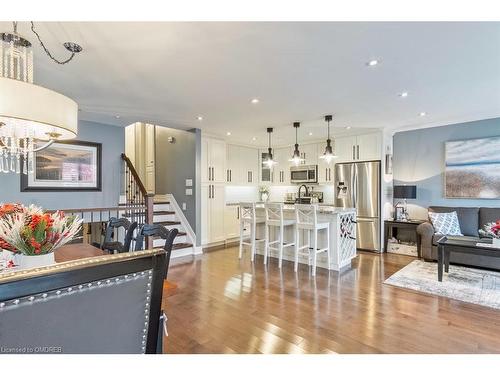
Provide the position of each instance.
(492, 230)
(33, 235)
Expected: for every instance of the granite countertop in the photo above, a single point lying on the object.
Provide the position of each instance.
(324, 208)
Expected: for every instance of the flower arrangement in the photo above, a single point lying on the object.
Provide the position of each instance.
(264, 193)
(491, 230)
(28, 230)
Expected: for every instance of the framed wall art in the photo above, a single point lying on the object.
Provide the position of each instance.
(65, 166)
(472, 168)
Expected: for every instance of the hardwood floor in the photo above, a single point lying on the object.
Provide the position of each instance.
(222, 305)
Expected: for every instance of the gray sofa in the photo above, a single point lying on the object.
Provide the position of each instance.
(471, 219)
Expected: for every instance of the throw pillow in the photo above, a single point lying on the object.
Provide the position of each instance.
(445, 223)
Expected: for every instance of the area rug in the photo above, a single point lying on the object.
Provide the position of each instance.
(471, 285)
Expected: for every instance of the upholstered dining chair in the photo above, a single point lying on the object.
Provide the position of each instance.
(159, 231)
(73, 307)
(110, 244)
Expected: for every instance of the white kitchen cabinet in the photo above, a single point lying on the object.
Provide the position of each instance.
(266, 175)
(213, 160)
(282, 169)
(369, 146)
(232, 222)
(359, 148)
(309, 153)
(242, 165)
(212, 213)
(325, 172)
(345, 149)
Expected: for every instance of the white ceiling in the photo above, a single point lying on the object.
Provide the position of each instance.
(169, 73)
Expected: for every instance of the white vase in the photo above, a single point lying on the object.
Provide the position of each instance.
(34, 261)
(496, 242)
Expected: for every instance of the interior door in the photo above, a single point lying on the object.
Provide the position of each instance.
(367, 189)
(149, 145)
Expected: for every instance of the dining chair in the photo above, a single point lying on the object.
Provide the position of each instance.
(72, 307)
(157, 230)
(110, 244)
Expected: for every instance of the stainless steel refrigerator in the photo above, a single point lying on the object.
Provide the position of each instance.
(358, 185)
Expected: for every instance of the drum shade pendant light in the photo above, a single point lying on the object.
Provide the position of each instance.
(329, 155)
(270, 162)
(29, 113)
(296, 158)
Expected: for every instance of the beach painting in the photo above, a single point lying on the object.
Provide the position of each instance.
(473, 168)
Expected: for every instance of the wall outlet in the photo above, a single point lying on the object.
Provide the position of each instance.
(189, 191)
(189, 182)
(184, 206)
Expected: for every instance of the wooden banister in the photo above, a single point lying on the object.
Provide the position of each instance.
(134, 173)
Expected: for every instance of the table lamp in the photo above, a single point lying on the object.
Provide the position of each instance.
(404, 192)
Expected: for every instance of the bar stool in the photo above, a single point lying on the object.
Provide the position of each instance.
(306, 216)
(248, 216)
(275, 219)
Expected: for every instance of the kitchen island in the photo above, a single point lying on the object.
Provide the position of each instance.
(342, 236)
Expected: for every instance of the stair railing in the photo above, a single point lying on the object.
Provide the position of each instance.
(137, 196)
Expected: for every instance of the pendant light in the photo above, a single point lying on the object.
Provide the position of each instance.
(269, 162)
(328, 155)
(296, 158)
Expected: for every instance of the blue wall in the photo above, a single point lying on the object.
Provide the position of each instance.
(418, 159)
(113, 145)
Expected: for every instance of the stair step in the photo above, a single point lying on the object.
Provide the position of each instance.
(178, 235)
(163, 212)
(178, 246)
(161, 202)
(168, 223)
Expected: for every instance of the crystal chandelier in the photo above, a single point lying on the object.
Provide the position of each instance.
(29, 113)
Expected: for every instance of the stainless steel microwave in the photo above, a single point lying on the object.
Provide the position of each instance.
(304, 174)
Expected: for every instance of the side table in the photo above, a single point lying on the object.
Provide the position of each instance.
(391, 227)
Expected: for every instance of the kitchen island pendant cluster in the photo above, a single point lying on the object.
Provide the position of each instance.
(297, 158)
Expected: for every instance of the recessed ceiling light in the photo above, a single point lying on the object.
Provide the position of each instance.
(199, 118)
(255, 101)
(422, 114)
(228, 133)
(372, 62)
(254, 138)
(404, 94)
(310, 133)
(117, 116)
(347, 127)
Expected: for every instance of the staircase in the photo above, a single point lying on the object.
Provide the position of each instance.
(159, 209)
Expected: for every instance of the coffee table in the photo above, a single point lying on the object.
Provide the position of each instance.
(446, 246)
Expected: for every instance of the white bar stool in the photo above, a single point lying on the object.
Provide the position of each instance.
(306, 216)
(248, 216)
(275, 219)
